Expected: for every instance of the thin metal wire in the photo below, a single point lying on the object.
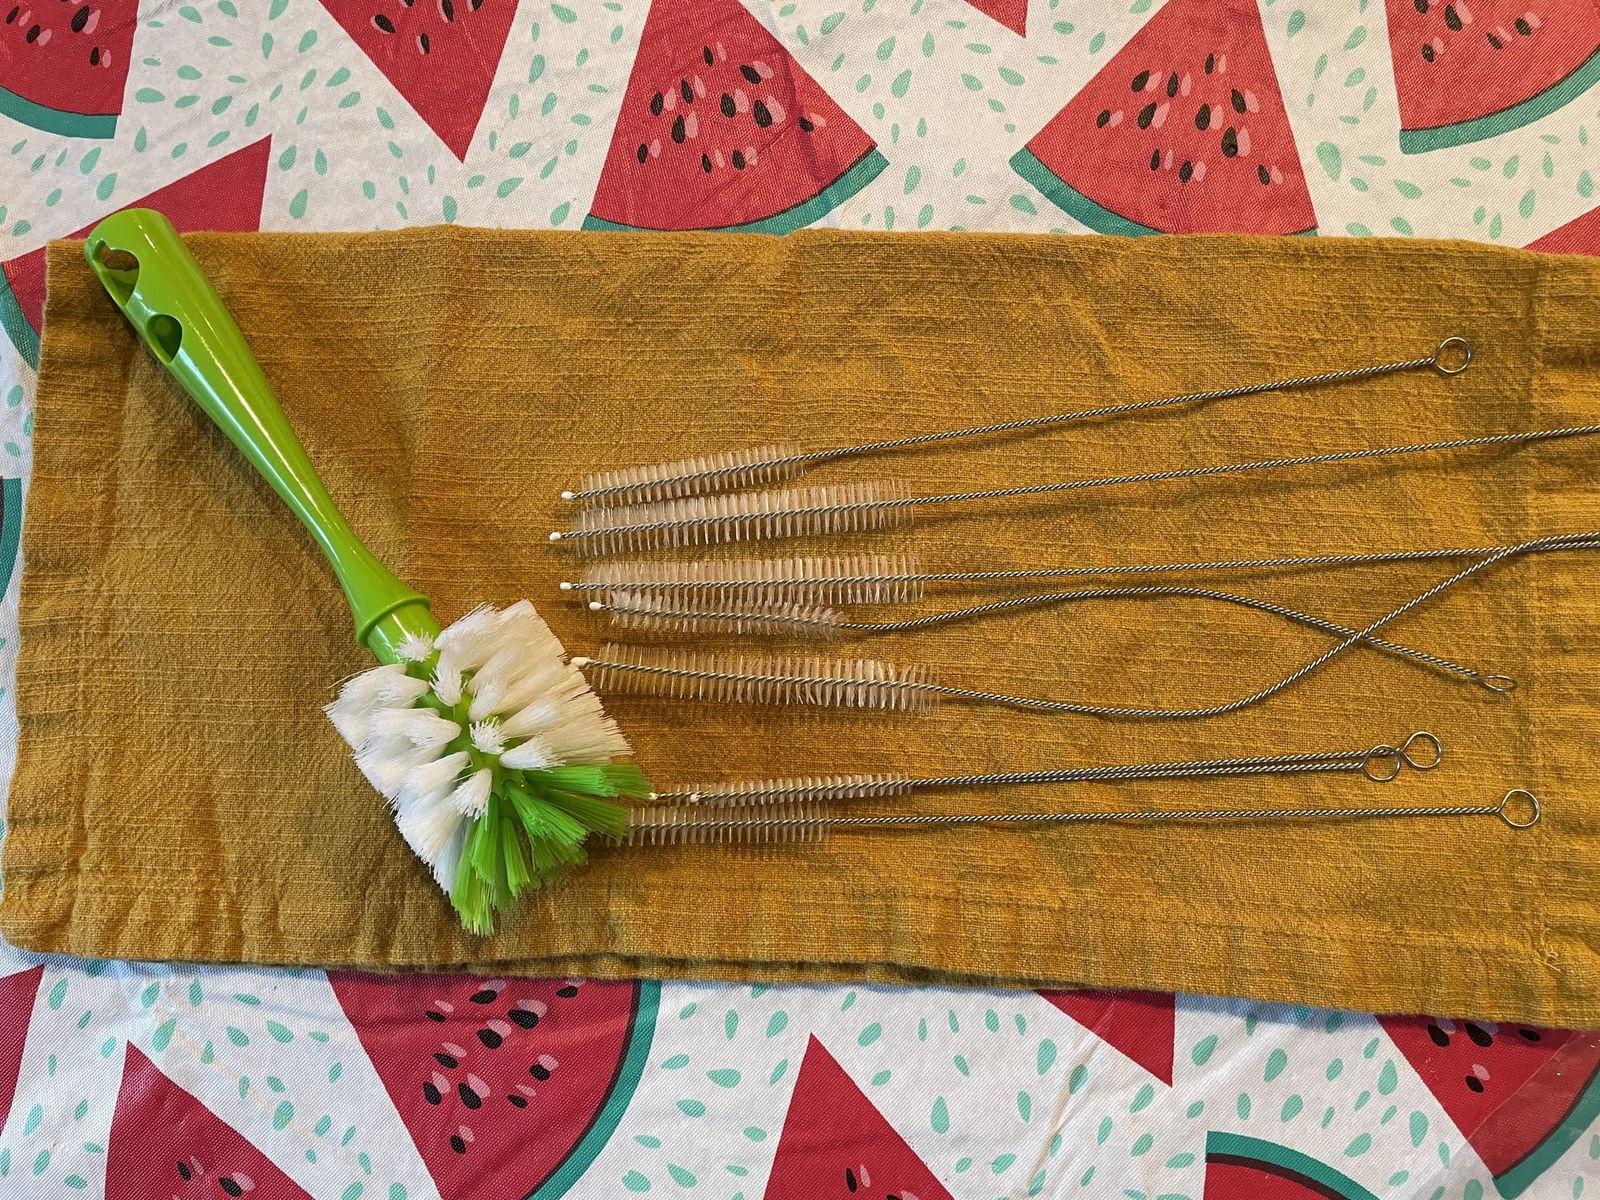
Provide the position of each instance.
(1450, 347)
(839, 511)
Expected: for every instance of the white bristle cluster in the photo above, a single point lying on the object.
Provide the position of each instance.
(525, 703)
(695, 824)
(738, 517)
(809, 788)
(761, 679)
(721, 472)
(642, 612)
(841, 579)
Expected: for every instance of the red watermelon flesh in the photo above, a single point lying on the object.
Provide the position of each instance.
(504, 1084)
(1183, 131)
(166, 1145)
(721, 129)
(224, 195)
(1520, 1094)
(441, 55)
(1247, 1168)
(1471, 69)
(1013, 14)
(17, 993)
(1139, 1024)
(63, 63)
(837, 1146)
(1578, 236)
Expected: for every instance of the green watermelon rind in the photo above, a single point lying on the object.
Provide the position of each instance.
(1525, 112)
(867, 168)
(10, 530)
(15, 324)
(630, 1068)
(1584, 1112)
(1093, 214)
(1238, 1147)
(55, 120)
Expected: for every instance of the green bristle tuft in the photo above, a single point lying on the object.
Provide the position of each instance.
(574, 779)
(469, 901)
(597, 814)
(517, 873)
(544, 821)
(626, 779)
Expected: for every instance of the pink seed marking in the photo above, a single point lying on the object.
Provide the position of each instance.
(1183, 88)
(699, 87)
(547, 1062)
(453, 1050)
(94, 19)
(691, 125)
(440, 1082)
(717, 157)
(762, 69)
(1251, 104)
(1481, 1071)
(1446, 1024)
(864, 1175)
(670, 99)
(1244, 140)
(444, 1006)
(655, 152)
(1160, 119)
(741, 102)
(479, 1086)
(465, 1132)
(1199, 172)
(721, 53)
(775, 109)
(246, 1184)
(1464, 13)
(537, 1007)
(1166, 161)
(1222, 63)
(1277, 175)
(750, 158)
(1116, 119)
(503, 1028)
(1532, 19)
(820, 121)
(526, 1090)
(1438, 46)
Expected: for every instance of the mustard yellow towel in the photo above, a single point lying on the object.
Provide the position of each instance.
(180, 795)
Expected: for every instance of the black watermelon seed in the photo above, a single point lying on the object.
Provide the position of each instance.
(1531, 1035)
(230, 1186)
(1185, 172)
(408, 3)
(1238, 101)
(12, 15)
(1264, 175)
(1522, 26)
(685, 91)
(80, 18)
(1103, 119)
(475, 5)
(1438, 1036)
(1211, 63)
(523, 1016)
(728, 106)
(519, 1101)
(447, 10)
(567, 992)
(891, 1196)
(469, 1097)
(1474, 1084)
(705, 165)
(1230, 142)
(383, 23)
(1495, 42)
(486, 996)
(488, 1036)
(1202, 119)
(657, 103)
(1452, 19)
(422, 41)
(643, 152)
(1155, 160)
(456, 1144)
(94, 57)
(1147, 114)
(738, 160)
(183, 1170)
(539, 1071)
(1422, 5)
(754, 76)
(850, 1179)
(705, 53)
(1427, 52)
(805, 125)
(435, 1015)
(1172, 84)
(762, 114)
(445, 1061)
(1479, 1034)
(677, 129)
(33, 34)
(1139, 81)
(430, 1093)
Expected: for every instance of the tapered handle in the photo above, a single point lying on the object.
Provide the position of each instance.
(151, 276)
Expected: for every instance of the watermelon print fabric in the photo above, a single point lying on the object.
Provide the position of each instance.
(1469, 119)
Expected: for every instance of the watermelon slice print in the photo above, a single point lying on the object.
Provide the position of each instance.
(1470, 69)
(721, 129)
(837, 1146)
(1139, 1024)
(509, 1087)
(1578, 236)
(1183, 131)
(166, 1145)
(1520, 1094)
(1013, 14)
(1247, 1168)
(63, 65)
(441, 55)
(17, 994)
(224, 195)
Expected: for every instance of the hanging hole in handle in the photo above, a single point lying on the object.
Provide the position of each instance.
(119, 273)
(1453, 356)
(165, 336)
(1529, 807)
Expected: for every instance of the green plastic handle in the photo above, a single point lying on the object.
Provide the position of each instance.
(151, 276)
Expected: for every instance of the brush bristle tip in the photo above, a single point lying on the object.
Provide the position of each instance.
(555, 536)
(569, 495)
(566, 585)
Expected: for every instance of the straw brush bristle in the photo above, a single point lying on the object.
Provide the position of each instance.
(765, 792)
(645, 613)
(720, 472)
(842, 579)
(693, 824)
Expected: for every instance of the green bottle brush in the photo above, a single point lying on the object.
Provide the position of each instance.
(496, 757)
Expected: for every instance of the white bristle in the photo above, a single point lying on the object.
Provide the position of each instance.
(416, 648)
(738, 517)
(694, 824)
(789, 791)
(762, 679)
(471, 796)
(646, 613)
(724, 471)
(840, 579)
